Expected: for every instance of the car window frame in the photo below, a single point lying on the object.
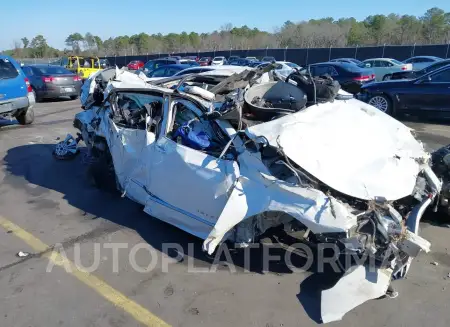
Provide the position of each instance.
(431, 76)
(14, 68)
(162, 68)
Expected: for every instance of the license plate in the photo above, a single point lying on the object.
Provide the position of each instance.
(68, 89)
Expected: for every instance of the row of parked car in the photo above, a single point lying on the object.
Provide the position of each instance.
(418, 84)
(415, 85)
(21, 86)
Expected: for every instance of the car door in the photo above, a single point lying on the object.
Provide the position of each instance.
(381, 69)
(131, 139)
(190, 187)
(431, 92)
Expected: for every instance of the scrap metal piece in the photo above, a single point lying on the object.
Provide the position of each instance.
(357, 286)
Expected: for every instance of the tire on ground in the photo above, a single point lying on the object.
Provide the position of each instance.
(26, 117)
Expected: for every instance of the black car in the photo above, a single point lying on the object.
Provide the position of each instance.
(233, 58)
(350, 76)
(241, 62)
(347, 60)
(51, 82)
(268, 59)
(429, 93)
(411, 74)
(155, 63)
(104, 63)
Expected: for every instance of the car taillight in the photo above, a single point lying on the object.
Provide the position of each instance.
(48, 79)
(76, 78)
(373, 76)
(27, 82)
(404, 67)
(362, 78)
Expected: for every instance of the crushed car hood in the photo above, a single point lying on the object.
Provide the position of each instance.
(351, 146)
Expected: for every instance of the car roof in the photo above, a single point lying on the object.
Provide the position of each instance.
(42, 65)
(382, 59)
(181, 66)
(426, 57)
(344, 65)
(344, 59)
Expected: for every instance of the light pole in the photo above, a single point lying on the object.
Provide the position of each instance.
(329, 54)
(384, 46)
(285, 50)
(356, 51)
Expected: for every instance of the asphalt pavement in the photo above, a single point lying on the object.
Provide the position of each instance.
(132, 277)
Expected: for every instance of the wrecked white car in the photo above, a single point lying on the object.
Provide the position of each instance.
(196, 153)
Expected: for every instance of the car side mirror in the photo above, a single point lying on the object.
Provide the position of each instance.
(367, 65)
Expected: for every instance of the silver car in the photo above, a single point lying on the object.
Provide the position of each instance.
(385, 67)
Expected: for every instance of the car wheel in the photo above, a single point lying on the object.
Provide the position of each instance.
(73, 97)
(387, 77)
(382, 103)
(26, 118)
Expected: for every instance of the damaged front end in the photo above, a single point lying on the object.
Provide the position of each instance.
(441, 166)
(303, 171)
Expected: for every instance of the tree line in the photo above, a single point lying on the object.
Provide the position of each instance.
(431, 28)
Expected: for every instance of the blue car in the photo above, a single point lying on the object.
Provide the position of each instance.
(16, 95)
(167, 70)
(421, 62)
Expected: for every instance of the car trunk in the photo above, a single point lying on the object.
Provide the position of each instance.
(61, 80)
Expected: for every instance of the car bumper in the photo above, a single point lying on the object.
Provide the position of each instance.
(59, 91)
(17, 104)
(362, 96)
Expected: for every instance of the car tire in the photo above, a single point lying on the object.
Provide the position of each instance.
(103, 173)
(387, 77)
(26, 118)
(73, 97)
(382, 102)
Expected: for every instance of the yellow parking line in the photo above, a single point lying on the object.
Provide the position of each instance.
(115, 297)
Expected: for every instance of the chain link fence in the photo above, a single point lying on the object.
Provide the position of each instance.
(34, 61)
(307, 56)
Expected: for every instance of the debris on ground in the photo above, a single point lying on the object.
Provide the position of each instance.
(168, 291)
(68, 148)
(435, 263)
(194, 311)
(22, 254)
